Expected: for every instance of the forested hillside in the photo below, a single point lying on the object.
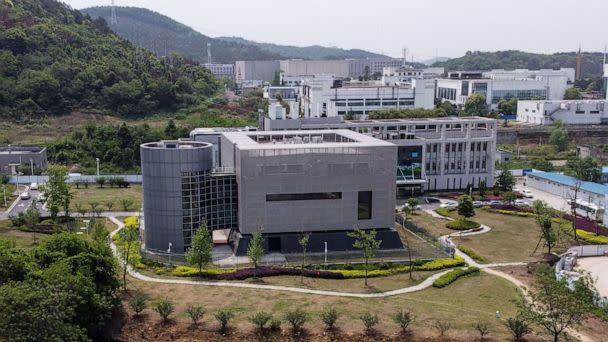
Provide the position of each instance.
(591, 66)
(307, 52)
(163, 35)
(54, 60)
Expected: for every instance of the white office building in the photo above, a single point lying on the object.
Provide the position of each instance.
(328, 97)
(221, 70)
(457, 88)
(263, 71)
(433, 154)
(283, 102)
(519, 74)
(571, 112)
(394, 75)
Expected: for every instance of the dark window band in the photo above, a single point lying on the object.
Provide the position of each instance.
(303, 197)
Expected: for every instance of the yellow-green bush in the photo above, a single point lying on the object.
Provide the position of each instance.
(592, 238)
(474, 255)
(513, 212)
(440, 264)
(453, 275)
(444, 211)
(186, 271)
(131, 222)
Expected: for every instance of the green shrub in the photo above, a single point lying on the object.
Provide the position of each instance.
(260, 319)
(138, 302)
(592, 238)
(296, 318)
(474, 255)
(453, 275)
(275, 325)
(369, 321)
(195, 312)
(164, 308)
(444, 211)
(223, 317)
(440, 264)
(329, 316)
(460, 224)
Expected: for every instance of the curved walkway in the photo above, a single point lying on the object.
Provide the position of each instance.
(423, 285)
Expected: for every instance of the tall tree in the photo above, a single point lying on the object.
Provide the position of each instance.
(200, 251)
(505, 180)
(129, 236)
(508, 107)
(475, 106)
(547, 234)
(367, 243)
(465, 207)
(255, 251)
(56, 190)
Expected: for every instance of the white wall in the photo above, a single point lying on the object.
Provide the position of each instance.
(573, 112)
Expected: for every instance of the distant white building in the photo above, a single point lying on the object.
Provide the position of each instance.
(498, 85)
(263, 71)
(328, 97)
(519, 74)
(289, 105)
(606, 80)
(573, 112)
(394, 75)
(221, 70)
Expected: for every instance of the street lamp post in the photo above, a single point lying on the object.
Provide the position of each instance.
(169, 251)
(325, 242)
(97, 161)
(31, 167)
(4, 190)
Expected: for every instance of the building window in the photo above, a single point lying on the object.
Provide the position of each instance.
(303, 196)
(364, 207)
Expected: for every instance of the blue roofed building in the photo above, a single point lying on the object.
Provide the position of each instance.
(604, 175)
(589, 194)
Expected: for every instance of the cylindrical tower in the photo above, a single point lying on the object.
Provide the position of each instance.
(167, 169)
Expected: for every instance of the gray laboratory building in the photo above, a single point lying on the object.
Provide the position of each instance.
(14, 156)
(324, 183)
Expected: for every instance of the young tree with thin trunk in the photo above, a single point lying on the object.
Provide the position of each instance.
(367, 243)
(255, 251)
(553, 305)
(547, 233)
(126, 203)
(109, 205)
(57, 191)
(80, 209)
(201, 248)
(128, 237)
(406, 210)
(303, 241)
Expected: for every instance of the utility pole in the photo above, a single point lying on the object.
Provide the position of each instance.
(97, 161)
(208, 53)
(113, 19)
(31, 167)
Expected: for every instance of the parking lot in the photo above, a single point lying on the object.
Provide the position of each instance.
(553, 201)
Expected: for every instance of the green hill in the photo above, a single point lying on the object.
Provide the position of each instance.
(307, 52)
(591, 66)
(163, 35)
(55, 60)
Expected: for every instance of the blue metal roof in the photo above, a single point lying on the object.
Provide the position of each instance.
(571, 181)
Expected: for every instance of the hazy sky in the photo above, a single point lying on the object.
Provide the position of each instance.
(428, 28)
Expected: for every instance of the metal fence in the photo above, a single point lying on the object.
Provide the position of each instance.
(72, 179)
(426, 235)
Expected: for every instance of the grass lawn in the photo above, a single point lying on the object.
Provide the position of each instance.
(433, 225)
(512, 238)
(463, 303)
(22, 239)
(105, 195)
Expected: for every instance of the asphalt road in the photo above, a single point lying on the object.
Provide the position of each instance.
(22, 205)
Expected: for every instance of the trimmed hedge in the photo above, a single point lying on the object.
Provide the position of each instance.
(474, 255)
(440, 264)
(513, 212)
(444, 211)
(269, 271)
(592, 238)
(453, 275)
(459, 224)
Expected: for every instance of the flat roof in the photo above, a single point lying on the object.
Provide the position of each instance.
(434, 120)
(348, 138)
(571, 182)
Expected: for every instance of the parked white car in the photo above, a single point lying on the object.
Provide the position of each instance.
(34, 186)
(24, 195)
(448, 205)
(477, 204)
(527, 193)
